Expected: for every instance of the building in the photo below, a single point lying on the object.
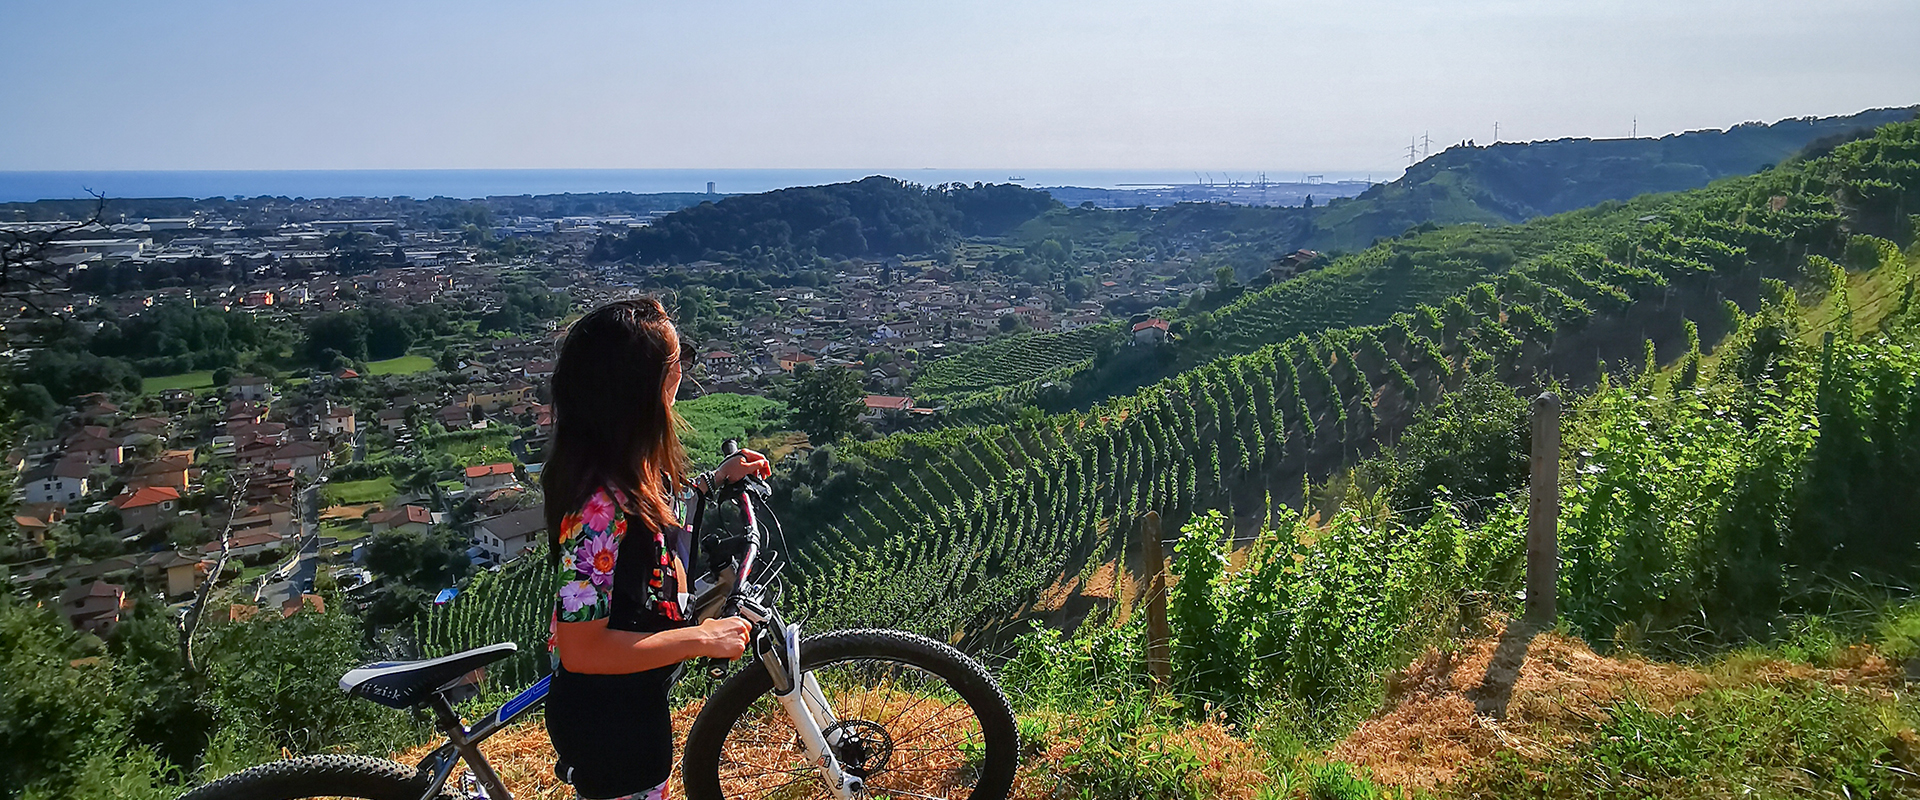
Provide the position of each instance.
(405, 518)
(454, 418)
(878, 405)
(1150, 331)
(790, 361)
(506, 536)
(184, 573)
(488, 476)
(62, 482)
(96, 449)
(169, 470)
(95, 607)
(246, 544)
(393, 420)
(337, 420)
(250, 388)
(307, 458)
(148, 507)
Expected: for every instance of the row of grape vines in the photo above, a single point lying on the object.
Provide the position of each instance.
(973, 525)
(1011, 360)
(512, 605)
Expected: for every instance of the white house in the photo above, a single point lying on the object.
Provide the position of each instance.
(506, 536)
(488, 476)
(62, 482)
(251, 388)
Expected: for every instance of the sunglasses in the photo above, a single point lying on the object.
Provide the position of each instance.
(686, 353)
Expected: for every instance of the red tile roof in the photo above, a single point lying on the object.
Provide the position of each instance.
(149, 496)
(483, 470)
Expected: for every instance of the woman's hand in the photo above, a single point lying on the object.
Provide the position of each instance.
(740, 465)
(722, 637)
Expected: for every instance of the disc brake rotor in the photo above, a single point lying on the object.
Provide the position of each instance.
(862, 748)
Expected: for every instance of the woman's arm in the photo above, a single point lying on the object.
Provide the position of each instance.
(591, 648)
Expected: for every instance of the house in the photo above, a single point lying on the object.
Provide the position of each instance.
(149, 507)
(250, 388)
(454, 418)
(241, 412)
(720, 359)
(62, 482)
(790, 361)
(1150, 331)
(169, 470)
(337, 420)
(493, 398)
(506, 536)
(184, 573)
(537, 370)
(246, 544)
(268, 487)
(1074, 322)
(408, 517)
(878, 405)
(392, 420)
(34, 520)
(98, 450)
(95, 607)
(176, 400)
(306, 458)
(276, 516)
(488, 476)
(247, 433)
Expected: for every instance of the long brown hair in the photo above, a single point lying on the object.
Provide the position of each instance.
(612, 427)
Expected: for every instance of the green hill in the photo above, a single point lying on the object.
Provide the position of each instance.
(1516, 181)
(961, 527)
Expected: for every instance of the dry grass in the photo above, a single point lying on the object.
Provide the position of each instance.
(1435, 725)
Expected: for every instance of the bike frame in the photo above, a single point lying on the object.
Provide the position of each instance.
(777, 645)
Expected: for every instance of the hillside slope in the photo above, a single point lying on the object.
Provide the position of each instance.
(1517, 181)
(953, 529)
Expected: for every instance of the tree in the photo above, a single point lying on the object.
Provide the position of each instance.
(430, 561)
(344, 333)
(824, 402)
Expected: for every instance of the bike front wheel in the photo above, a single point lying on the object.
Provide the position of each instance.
(911, 717)
(319, 776)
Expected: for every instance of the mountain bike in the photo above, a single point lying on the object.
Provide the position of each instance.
(844, 715)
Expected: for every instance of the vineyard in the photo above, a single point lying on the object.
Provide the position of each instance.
(512, 605)
(959, 527)
(955, 529)
(1011, 368)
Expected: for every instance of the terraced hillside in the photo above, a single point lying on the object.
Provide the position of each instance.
(954, 528)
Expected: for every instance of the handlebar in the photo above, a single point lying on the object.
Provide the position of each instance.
(749, 554)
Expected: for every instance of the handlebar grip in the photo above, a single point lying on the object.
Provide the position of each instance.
(729, 447)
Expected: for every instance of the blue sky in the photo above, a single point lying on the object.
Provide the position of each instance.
(1334, 85)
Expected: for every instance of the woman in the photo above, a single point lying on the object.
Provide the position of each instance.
(612, 481)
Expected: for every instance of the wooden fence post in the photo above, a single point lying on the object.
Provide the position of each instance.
(1543, 513)
(1153, 560)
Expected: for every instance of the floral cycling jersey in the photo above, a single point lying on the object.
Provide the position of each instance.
(593, 544)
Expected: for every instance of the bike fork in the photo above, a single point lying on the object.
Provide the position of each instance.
(807, 707)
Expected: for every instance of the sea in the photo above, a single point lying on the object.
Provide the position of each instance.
(25, 186)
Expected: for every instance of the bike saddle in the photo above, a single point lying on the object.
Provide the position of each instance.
(404, 684)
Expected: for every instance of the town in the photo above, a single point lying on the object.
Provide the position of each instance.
(255, 483)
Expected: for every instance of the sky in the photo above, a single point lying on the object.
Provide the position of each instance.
(1116, 84)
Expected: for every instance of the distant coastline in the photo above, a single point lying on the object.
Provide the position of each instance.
(27, 186)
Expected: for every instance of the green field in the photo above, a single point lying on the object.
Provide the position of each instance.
(465, 445)
(716, 418)
(404, 365)
(347, 493)
(185, 380)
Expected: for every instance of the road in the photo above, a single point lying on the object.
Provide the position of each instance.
(302, 574)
